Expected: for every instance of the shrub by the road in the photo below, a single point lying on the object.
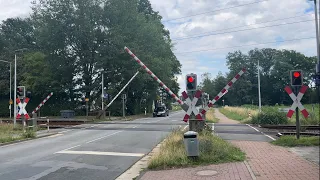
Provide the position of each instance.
(212, 150)
(270, 116)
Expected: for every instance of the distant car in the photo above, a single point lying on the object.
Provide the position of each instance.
(161, 111)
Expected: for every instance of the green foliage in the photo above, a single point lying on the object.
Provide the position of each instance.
(213, 150)
(274, 73)
(292, 141)
(70, 43)
(270, 116)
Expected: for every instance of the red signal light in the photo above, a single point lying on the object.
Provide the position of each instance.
(190, 79)
(296, 74)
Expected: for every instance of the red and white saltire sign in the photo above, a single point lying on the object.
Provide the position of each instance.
(192, 106)
(22, 109)
(153, 76)
(296, 101)
(42, 103)
(223, 91)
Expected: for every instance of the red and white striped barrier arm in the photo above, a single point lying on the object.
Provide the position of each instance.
(153, 76)
(42, 103)
(223, 91)
(296, 101)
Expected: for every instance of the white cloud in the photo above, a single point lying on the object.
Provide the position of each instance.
(220, 21)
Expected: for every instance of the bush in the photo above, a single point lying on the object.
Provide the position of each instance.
(270, 117)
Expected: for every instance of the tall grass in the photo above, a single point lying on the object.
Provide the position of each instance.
(242, 113)
(292, 141)
(210, 117)
(8, 133)
(238, 113)
(212, 150)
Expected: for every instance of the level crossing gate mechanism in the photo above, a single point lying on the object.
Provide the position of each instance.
(296, 101)
(22, 110)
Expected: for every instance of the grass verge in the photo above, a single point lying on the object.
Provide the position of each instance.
(8, 133)
(213, 150)
(237, 113)
(210, 117)
(291, 141)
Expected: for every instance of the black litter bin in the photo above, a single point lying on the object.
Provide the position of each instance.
(67, 113)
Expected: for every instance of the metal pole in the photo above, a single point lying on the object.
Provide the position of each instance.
(15, 92)
(10, 87)
(317, 31)
(123, 113)
(87, 109)
(297, 116)
(259, 86)
(102, 94)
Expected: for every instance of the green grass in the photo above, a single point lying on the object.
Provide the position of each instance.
(213, 150)
(233, 115)
(8, 133)
(210, 117)
(176, 108)
(291, 141)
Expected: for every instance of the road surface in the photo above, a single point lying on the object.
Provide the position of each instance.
(92, 151)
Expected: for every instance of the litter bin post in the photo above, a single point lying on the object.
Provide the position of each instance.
(191, 143)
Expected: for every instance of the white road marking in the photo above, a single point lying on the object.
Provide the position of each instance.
(253, 127)
(71, 147)
(261, 132)
(102, 153)
(135, 126)
(103, 137)
(269, 136)
(93, 126)
(65, 131)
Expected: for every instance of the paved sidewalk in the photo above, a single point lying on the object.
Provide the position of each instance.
(223, 119)
(268, 161)
(227, 171)
(264, 162)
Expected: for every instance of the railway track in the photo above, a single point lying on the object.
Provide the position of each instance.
(291, 127)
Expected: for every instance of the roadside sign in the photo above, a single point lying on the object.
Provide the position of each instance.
(10, 102)
(22, 109)
(87, 99)
(192, 106)
(296, 101)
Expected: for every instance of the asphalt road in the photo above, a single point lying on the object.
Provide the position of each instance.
(241, 132)
(92, 151)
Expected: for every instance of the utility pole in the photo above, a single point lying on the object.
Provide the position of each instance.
(102, 93)
(259, 85)
(123, 105)
(15, 92)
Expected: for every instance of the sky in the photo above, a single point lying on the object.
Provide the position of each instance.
(204, 31)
